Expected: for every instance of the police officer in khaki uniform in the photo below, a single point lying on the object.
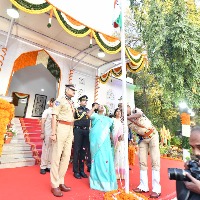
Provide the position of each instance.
(62, 136)
(81, 138)
(149, 141)
(45, 136)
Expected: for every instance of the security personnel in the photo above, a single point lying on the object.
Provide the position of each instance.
(81, 138)
(62, 136)
(149, 141)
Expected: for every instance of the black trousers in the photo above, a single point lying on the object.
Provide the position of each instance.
(183, 193)
(81, 144)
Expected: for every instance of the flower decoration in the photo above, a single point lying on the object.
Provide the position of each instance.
(6, 115)
(121, 194)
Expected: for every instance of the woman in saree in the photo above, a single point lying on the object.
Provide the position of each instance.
(102, 173)
(119, 145)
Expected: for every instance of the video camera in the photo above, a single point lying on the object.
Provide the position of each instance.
(180, 174)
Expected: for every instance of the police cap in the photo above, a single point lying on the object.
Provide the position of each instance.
(83, 98)
(71, 86)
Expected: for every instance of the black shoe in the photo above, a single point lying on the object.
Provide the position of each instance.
(77, 175)
(83, 175)
(42, 171)
(47, 169)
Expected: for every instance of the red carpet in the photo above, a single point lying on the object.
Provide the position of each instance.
(32, 131)
(27, 183)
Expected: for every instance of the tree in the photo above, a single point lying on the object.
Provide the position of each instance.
(149, 97)
(171, 36)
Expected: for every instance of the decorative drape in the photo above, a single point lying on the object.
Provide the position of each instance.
(108, 44)
(34, 58)
(96, 92)
(71, 73)
(117, 72)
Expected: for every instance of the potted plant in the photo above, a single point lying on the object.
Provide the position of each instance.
(9, 135)
(7, 139)
(164, 150)
(10, 132)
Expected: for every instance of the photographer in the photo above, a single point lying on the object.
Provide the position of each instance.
(149, 142)
(190, 190)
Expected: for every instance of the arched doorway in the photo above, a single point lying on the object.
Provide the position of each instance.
(35, 74)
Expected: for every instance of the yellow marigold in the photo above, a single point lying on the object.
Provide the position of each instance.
(122, 195)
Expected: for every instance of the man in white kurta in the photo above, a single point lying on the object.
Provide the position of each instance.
(45, 136)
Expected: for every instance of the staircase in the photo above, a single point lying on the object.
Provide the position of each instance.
(18, 153)
(32, 130)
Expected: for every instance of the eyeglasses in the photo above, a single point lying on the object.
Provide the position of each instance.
(72, 89)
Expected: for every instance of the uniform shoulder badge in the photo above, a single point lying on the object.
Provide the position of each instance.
(57, 103)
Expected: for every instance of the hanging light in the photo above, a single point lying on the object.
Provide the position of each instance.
(13, 12)
(101, 54)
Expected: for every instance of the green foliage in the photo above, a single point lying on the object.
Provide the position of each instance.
(185, 142)
(172, 40)
(149, 96)
(53, 68)
(176, 141)
(164, 149)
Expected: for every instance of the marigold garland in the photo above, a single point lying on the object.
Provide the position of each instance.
(6, 115)
(170, 158)
(122, 195)
(31, 8)
(24, 60)
(131, 155)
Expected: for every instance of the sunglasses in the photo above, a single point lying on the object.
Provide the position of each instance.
(72, 89)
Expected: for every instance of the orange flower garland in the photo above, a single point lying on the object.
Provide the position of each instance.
(185, 118)
(131, 155)
(6, 115)
(122, 195)
(24, 60)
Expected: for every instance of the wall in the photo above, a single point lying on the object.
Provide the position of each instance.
(16, 47)
(31, 80)
(85, 86)
(84, 79)
(111, 92)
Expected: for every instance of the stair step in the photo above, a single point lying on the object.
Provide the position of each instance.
(20, 162)
(32, 131)
(16, 146)
(16, 154)
(36, 139)
(19, 136)
(34, 134)
(18, 140)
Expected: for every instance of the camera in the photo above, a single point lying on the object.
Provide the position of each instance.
(180, 174)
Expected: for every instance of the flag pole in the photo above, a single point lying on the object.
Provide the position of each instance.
(124, 96)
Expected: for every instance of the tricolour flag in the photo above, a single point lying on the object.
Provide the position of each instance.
(117, 17)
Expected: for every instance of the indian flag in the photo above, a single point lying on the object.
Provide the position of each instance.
(117, 17)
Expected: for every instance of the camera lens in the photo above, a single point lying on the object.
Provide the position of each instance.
(177, 174)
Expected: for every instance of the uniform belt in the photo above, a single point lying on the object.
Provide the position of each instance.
(148, 134)
(66, 122)
(82, 127)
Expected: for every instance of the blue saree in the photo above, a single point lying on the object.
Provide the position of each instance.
(102, 173)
